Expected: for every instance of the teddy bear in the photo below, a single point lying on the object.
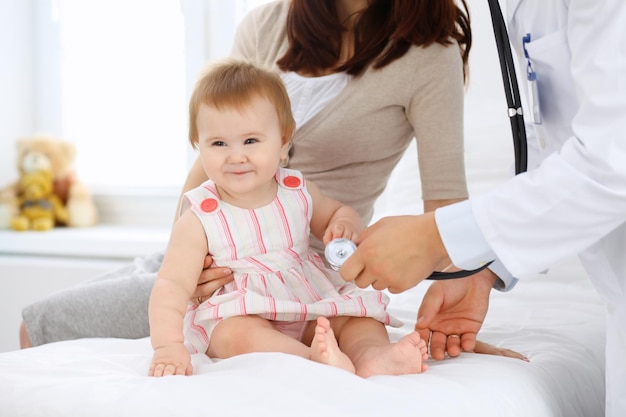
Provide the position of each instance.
(44, 152)
(38, 207)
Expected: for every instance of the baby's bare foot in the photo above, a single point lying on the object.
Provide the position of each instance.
(407, 356)
(324, 347)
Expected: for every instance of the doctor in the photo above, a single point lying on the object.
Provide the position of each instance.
(572, 200)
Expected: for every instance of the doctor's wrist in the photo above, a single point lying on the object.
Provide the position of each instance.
(437, 250)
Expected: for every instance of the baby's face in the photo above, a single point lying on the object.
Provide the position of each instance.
(241, 150)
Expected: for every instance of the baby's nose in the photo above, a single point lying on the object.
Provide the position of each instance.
(237, 155)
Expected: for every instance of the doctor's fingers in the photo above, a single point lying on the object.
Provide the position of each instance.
(441, 343)
(357, 270)
(438, 345)
(353, 266)
(453, 345)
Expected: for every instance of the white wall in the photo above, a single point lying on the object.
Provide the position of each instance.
(16, 81)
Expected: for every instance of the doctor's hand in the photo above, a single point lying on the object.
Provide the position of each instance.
(210, 280)
(396, 253)
(452, 312)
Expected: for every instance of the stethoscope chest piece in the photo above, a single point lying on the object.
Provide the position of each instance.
(337, 251)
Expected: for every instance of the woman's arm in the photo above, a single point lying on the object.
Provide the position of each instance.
(432, 205)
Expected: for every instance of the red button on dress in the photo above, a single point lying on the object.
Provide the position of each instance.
(209, 205)
(291, 181)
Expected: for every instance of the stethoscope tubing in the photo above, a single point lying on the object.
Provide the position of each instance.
(511, 87)
(515, 113)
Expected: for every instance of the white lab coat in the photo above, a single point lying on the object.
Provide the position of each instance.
(575, 201)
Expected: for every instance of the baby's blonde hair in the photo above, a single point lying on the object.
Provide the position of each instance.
(233, 84)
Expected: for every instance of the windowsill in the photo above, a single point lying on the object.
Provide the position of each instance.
(98, 242)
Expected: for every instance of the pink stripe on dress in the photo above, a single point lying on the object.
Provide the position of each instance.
(257, 230)
(285, 222)
(228, 235)
(272, 309)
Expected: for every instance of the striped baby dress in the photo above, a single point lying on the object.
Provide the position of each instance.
(277, 276)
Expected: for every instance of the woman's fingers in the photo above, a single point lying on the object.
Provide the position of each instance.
(210, 280)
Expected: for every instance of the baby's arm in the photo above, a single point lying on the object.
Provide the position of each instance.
(176, 281)
(331, 219)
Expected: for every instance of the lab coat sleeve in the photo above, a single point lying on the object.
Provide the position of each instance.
(506, 281)
(465, 244)
(578, 194)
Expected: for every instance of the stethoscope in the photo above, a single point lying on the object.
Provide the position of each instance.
(516, 116)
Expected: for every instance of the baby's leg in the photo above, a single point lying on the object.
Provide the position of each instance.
(324, 347)
(246, 334)
(366, 342)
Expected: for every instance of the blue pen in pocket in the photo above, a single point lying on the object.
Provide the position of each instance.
(531, 85)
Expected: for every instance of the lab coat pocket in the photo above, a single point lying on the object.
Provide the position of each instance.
(550, 58)
(546, 45)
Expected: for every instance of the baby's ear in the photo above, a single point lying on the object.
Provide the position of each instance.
(284, 151)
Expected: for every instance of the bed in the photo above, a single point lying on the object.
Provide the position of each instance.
(557, 321)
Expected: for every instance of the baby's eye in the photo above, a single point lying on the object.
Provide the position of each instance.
(250, 141)
(218, 143)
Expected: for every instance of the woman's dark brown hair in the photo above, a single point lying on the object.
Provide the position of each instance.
(383, 33)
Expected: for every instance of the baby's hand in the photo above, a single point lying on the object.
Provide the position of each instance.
(344, 223)
(172, 359)
(339, 230)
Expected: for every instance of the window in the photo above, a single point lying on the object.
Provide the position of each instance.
(114, 77)
(121, 90)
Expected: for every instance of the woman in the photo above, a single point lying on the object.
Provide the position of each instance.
(364, 78)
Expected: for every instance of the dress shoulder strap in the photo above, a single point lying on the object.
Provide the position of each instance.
(290, 178)
(203, 199)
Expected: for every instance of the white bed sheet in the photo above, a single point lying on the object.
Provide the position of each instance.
(557, 321)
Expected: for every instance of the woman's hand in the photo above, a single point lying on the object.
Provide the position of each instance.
(210, 280)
